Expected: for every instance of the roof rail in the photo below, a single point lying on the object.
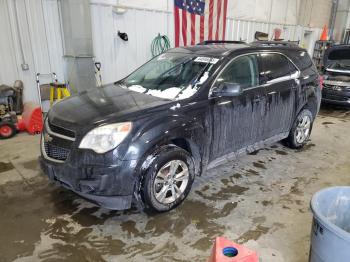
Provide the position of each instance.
(276, 43)
(209, 42)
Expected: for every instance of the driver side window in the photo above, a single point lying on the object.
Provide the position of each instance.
(242, 70)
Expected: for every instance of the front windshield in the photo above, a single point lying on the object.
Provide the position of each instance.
(170, 75)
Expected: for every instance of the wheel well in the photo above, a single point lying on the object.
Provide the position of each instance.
(190, 148)
(312, 106)
(181, 142)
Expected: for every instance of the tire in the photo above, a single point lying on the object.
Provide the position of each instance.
(7, 130)
(301, 130)
(163, 188)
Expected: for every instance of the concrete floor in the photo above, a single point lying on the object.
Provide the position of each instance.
(261, 200)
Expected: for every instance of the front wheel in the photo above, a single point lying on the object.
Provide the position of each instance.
(301, 129)
(168, 180)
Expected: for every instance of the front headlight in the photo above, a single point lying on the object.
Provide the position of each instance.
(105, 138)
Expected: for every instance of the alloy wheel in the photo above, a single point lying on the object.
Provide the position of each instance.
(303, 129)
(171, 181)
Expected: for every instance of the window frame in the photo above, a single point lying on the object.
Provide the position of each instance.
(258, 53)
(288, 77)
(230, 62)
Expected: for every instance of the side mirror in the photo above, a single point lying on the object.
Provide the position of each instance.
(227, 90)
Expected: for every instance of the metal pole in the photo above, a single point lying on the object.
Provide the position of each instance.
(332, 18)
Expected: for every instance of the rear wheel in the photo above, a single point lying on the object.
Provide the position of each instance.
(7, 130)
(301, 129)
(168, 180)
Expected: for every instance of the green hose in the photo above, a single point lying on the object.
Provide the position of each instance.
(160, 44)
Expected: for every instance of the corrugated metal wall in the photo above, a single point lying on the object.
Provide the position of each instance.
(40, 31)
(118, 57)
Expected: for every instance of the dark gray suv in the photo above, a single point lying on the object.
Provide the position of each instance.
(144, 138)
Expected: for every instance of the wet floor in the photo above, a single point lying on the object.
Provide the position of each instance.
(261, 200)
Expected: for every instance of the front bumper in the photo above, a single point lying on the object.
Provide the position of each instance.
(111, 187)
(339, 97)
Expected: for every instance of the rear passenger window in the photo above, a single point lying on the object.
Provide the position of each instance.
(242, 70)
(303, 60)
(275, 66)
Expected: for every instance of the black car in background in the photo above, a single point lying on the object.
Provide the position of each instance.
(336, 83)
(144, 138)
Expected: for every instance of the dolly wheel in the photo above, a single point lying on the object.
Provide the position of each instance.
(7, 130)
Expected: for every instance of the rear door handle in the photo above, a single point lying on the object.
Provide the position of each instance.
(272, 93)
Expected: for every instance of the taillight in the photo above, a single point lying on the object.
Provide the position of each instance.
(320, 79)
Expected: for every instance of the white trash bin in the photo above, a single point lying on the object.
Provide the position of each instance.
(330, 234)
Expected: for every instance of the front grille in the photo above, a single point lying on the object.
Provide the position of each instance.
(56, 152)
(61, 130)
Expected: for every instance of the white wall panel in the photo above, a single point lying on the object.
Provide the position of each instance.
(245, 30)
(275, 11)
(40, 38)
(8, 65)
(118, 57)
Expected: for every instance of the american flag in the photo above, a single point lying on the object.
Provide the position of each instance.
(199, 20)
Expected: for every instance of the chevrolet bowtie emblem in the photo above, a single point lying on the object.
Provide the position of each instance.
(47, 138)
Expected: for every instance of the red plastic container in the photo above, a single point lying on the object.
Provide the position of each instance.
(32, 119)
(227, 251)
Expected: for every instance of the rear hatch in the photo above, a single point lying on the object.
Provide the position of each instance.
(336, 62)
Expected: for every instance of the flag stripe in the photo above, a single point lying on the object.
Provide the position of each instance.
(224, 21)
(184, 26)
(218, 9)
(177, 26)
(210, 24)
(193, 29)
(201, 36)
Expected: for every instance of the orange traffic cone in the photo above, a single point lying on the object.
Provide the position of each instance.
(228, 251)
(324, 35)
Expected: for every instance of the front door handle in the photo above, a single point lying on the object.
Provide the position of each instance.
(272, 93)
(257, 99)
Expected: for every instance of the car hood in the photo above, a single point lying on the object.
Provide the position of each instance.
(336, 53)
(98, 106)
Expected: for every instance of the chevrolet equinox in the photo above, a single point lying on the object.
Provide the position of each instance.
(145, 138)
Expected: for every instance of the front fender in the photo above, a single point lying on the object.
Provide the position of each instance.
(161, 131)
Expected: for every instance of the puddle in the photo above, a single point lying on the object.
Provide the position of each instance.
(6, 166)
(253, 172)
(266, 203)
(327, 123)
(259, 165)
(237, 175)
(306, 147)
(224, 192)
(33, 165)
(280, 152)
(253, 234)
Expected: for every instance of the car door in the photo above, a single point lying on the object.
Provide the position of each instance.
(280, 78)
(238, 121)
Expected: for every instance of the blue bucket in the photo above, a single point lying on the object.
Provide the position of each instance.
(330, 234)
